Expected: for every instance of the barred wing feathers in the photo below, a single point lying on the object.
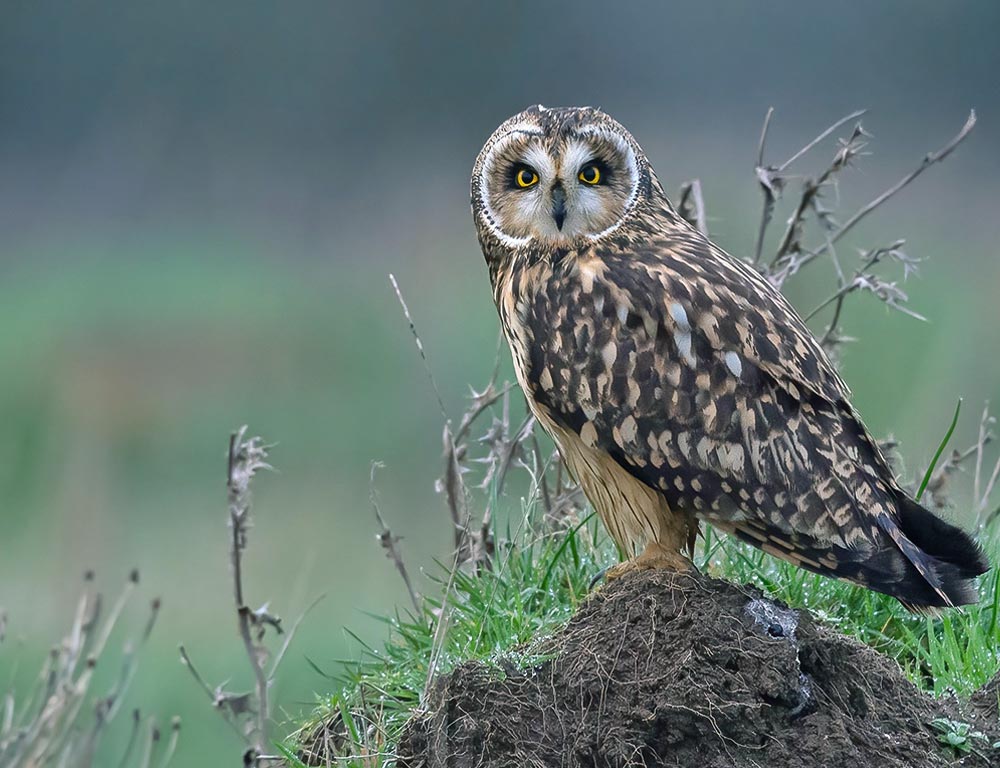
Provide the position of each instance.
(699, 379)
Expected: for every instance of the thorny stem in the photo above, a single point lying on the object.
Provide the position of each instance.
(872, 259)
(771, 179)
(983, 494)
(455, 493)
(540, 473)
(454, 486)
(247, 713)
(845, 119)
(212, 696)
(509, 448)
(245, 458)
(691, 205)
(929, 159)
(420, 345)
(983, 433)
(763, 136)
(767, 189)
(388, 541)
(831, 330)
(811, 191)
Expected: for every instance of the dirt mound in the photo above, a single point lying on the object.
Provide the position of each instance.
(661, 669)
(986, 702)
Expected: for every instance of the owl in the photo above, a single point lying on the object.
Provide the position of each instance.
(677, 383)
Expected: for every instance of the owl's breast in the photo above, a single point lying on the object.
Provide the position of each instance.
(512, 307)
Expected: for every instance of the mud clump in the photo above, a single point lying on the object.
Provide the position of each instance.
(660, 669)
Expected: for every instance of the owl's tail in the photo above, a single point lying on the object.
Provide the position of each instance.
(946, 560)
(922, 561)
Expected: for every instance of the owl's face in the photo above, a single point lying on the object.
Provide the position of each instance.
(556, 177)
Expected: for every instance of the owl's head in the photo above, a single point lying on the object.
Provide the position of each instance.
(557, 177)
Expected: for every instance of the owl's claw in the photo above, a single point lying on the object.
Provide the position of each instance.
(653, 557)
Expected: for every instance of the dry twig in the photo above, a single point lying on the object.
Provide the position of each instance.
(791, 255)
(772, 179)
(388, 542)
(691, 205)
(247, 712)
(48, 726)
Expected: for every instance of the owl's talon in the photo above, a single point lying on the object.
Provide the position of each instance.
(654, 557)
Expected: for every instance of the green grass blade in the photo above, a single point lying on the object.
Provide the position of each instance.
(562, 548)
(940, 450)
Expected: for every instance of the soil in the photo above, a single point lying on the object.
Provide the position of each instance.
(660, 669)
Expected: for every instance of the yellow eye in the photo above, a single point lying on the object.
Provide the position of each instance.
(590, 174)
(526, 177)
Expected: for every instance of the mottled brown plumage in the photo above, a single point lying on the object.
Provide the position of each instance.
(677, 382)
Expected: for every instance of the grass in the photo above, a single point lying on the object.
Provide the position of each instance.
(536, 581)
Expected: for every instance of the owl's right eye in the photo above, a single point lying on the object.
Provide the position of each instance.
(525, 176)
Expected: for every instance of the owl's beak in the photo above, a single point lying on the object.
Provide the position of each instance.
(559, 205)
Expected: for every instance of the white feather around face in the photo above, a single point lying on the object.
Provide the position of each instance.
(629, 169)
(492, 217)
(516, 215)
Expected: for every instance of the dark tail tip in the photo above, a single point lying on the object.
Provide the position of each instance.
(954, 555)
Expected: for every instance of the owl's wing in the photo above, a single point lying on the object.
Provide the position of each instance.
(700, 380)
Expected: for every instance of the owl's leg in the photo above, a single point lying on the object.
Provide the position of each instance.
(676, 535)
(655, 555)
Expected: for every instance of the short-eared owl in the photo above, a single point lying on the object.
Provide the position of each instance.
(679, 384)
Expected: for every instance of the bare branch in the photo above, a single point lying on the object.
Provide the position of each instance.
(186, 661)
(845, 119)
(770, 187)
(456, 494)
(691, 205)
(981, 493)
(772, 179)
(506, 451)
(388, 542)
(864, 280)
(246, 458)
(213, 695)
(929, 159)
(541, 473)
(790, 243)
(763, 136)
(248, 713)
(481, 401)
(420, 346)
(46, 727)
(984, 434)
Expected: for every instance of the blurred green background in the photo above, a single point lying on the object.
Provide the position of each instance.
(200, 205)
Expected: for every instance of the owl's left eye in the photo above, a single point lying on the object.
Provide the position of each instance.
(590, 174)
